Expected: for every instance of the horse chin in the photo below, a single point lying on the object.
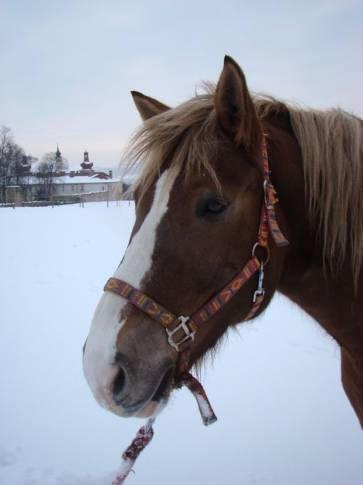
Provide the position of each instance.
(153, 408)
(150, 409)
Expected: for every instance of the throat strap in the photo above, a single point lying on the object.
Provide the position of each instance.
(271, 200)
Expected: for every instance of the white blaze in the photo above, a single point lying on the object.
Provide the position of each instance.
(99, 355)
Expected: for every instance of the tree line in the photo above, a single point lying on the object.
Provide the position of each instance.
(12, 155)
(16, 167)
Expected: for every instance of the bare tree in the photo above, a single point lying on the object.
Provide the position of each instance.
(5, 138)
(45, 171)
(12, 161)
(52, 164)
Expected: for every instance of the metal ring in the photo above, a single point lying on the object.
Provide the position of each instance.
(265, 248)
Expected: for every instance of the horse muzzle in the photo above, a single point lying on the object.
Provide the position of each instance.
(130, 372)
(141, 390)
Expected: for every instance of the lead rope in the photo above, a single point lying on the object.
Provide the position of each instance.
(130, 455)
(146, 432)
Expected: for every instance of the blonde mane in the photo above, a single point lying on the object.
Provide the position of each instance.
(184, 133)
(331, 144)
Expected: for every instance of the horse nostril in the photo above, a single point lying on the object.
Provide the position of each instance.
(119, 384)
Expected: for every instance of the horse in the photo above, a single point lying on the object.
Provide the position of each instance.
(239, 196)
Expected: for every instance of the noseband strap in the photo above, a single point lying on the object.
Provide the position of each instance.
(181, 329)
(186, 327)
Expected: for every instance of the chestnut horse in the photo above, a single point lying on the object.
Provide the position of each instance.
(198, 209)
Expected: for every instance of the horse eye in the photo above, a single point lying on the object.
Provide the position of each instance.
(211, 206)
(215, 206)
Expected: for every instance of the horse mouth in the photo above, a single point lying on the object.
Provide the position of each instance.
(160, 396)
(165, 387)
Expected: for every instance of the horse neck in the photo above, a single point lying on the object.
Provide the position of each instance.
(333, 302)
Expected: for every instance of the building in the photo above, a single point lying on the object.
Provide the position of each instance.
(83, 188)
(59, 186)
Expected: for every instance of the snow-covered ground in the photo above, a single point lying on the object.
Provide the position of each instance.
(275, 386)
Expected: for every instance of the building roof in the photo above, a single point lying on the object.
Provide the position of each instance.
(83, 179)
(76, 180)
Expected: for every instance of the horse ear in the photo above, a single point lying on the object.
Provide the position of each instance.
(235, 110)
(146, 106)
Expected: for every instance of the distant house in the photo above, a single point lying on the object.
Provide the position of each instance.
(87, 188)
(83, 185)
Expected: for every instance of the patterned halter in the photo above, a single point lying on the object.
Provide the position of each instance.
(181, 330)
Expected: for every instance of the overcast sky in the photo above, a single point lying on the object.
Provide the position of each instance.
(67, 66)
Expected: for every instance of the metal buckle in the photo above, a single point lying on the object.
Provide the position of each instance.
(260, 289)
(184, 327)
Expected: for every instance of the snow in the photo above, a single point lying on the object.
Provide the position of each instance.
(275, 385)
(84, 179)
(76, 180)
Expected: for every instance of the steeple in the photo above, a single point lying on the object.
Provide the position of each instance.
(58, 160)
(86, 164)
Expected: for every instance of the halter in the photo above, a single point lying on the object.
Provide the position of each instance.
(180, 329)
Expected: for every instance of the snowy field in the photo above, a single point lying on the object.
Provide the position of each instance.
(275, 385)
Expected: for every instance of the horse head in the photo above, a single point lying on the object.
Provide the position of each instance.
(198, 207)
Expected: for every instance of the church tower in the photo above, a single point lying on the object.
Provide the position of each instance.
(86, 164)
(58, 160)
